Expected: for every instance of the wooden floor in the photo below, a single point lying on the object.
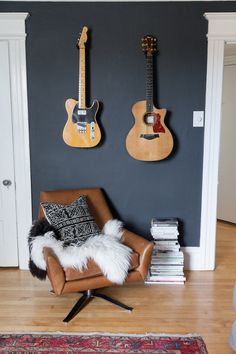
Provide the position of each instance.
(203, 305)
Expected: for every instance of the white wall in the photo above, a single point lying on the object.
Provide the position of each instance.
(227, 167)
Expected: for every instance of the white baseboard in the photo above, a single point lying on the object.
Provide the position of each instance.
(192, 258)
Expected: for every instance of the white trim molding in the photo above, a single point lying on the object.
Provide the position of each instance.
(12, 29)
(12, 24)
(221, 30)
(192, 258)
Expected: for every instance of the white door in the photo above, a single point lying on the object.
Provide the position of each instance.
(227, 167)
(8, 231)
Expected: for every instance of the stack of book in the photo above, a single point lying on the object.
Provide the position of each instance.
(167, 264)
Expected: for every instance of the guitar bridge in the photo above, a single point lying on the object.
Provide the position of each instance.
(149, 136)
(82, 127)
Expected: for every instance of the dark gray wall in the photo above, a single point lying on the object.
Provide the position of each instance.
(136, 190)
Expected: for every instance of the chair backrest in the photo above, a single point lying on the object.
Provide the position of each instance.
(96, 201)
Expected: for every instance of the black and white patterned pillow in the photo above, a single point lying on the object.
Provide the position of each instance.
(74, 221)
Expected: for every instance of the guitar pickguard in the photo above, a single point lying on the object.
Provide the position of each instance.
(157, 127)
(84, 116)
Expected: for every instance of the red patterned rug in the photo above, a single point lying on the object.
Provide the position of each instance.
(100, 343)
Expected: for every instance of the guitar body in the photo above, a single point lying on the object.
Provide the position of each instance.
(149, 141)
(81, 129)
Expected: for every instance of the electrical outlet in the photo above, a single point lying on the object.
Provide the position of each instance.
(198, 119)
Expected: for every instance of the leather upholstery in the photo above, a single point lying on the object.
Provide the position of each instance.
(55, 272)
(71, 280)
(96, 283)
(141, 246)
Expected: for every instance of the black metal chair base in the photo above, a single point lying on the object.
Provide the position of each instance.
(86, 298)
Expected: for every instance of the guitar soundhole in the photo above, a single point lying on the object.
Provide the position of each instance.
(154, 120)
(149, 118)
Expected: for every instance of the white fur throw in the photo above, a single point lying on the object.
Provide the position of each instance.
(105, 249)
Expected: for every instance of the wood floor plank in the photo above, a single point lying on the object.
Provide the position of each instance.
(203, 305)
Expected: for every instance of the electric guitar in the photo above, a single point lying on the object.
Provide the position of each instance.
(149, 139)
(81, 129)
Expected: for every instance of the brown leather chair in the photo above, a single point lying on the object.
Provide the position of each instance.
(71, 280)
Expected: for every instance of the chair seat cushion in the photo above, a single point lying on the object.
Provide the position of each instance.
(93, 269)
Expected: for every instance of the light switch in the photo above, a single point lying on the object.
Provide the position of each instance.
(198, 118)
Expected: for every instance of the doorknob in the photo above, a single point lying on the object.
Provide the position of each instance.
(6, 182)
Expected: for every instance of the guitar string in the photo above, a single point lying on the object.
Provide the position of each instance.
(149, 83)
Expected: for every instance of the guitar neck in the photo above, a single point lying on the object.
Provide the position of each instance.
(149, 83)
(82, 79)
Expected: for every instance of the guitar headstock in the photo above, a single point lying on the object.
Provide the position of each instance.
(149, 44)
(82, 38)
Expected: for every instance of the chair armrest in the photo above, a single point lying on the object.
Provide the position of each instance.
(141, 246)
(55, 271)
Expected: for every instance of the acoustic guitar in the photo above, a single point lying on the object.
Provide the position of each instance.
(149, 139)
(81, 129)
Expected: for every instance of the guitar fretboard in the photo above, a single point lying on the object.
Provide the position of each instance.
(81, 93)
(149, 83)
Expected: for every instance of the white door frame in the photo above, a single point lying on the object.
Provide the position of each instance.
(221, 30)
(12, 30)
